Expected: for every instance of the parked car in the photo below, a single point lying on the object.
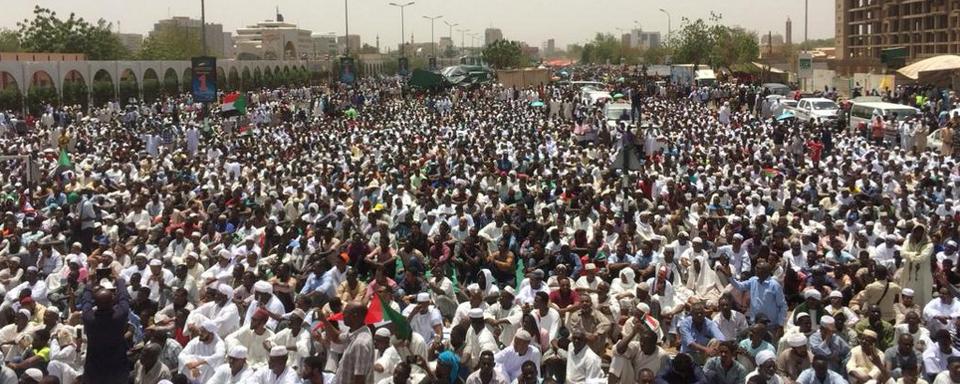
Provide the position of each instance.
(816, 108)
(614, 111)
(777, 89)
(863, 112)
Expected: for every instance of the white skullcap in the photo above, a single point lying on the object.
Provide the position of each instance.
(164, 382)
(835, 294)
(473, 287)
(34, 374)
(225, 254)
(764, 356)
(827, 321)
(523, 335)
(812, 294)
(510, 290)
(24, 311)
(383, 332)
(907, 292)
(643, 307)
(209, 326)
(298, 313)
(238, 352)
(475, 313)
(156, 263)
(278, 351)
(226, 290)
(262, 287)
(590, 267)
(796, 340)
(423, 297)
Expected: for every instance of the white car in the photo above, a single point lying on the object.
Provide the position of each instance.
(934, 141)
(816, 108)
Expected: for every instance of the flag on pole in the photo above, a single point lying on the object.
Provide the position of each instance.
(401, 327)
(519, 273)
(64, 160)
(234, 104)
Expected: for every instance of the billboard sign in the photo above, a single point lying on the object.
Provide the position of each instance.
(204, 73)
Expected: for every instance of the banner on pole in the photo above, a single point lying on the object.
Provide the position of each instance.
(204, 73)
(348, 70)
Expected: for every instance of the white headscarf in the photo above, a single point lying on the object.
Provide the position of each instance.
(619, 285)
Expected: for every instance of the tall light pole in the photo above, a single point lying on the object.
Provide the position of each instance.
(432, 41)
(403, 51)
(669, 23)
(463, 46)
(620, 30)
(203, 25)
(346, 27)
(450, 32)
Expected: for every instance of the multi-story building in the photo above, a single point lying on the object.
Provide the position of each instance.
(550, 47)
(131, 41)
(194, 27)
(324, 46)
(491, 35)
(352, 41)
(644, 40)
(275, 40)
(445, 43)
(924, 27)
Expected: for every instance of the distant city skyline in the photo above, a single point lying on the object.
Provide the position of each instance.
(530, 21)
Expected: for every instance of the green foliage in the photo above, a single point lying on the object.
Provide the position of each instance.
(48, 33)
(151, 90)
(171, 43)
(603, 48)
(711, 43)
(102, 92)
(39, 97)
(128, 90)
(9, 40)
(656, 55)
(504, 54)
(75, 93)
(10, 99)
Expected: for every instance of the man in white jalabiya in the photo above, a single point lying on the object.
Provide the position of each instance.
(203, 354)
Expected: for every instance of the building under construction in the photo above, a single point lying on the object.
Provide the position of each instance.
(925, 28)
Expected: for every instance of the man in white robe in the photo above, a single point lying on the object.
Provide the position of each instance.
(264, 298)
(203, 354)
(253, 337)
(583, 365)
(235, 370)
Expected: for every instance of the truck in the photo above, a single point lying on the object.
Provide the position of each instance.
(685, 74)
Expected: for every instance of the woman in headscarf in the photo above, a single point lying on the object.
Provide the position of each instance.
(626, 285)
(916, 274)
(702, 280)
(448, 369)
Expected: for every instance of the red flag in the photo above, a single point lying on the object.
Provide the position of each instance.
(374, 312)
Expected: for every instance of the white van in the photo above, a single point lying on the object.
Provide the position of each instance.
(864, 112)
(705, 77)
(613, 111)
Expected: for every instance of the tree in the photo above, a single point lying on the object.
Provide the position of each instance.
(9, 41)
(48, 33)
(504, 54)
(603, 48)
(171, 43)
(711, 43)
(734, 46)
(692, 43)
(655, 55)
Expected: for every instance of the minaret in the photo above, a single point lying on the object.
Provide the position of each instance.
(788, 36)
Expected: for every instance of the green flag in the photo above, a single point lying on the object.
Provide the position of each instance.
(400, 324)
(519, 273)
(64, 160)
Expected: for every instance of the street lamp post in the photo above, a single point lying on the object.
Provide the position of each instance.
(450, 31)
(403, 51)
(463, 46)
(203, 25)
(669, 23)
(346, 27)
(432, 40)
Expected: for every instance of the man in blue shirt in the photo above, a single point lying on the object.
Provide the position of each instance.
(698, 334)
(819, 373)
(827, 344)
(766, 296)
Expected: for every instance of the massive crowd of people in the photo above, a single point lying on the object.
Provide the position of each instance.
(374, 234)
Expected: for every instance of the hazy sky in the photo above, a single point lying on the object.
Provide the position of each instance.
(532, 21)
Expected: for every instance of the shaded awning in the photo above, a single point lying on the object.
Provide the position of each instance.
(939, 63)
